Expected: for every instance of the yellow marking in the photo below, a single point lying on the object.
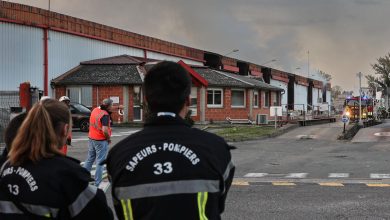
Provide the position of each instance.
(283, 184)
(124, 209)
(378, 185)
(130, 209)
(240, 183)
(331, 184)
(204, 205)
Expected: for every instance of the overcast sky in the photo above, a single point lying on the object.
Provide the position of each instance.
(343, 37)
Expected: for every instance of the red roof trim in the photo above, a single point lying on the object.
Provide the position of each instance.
(198, 78)
(280, 78)
(256, 73)
(231, 68)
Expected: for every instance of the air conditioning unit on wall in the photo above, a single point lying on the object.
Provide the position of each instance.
(261, 119)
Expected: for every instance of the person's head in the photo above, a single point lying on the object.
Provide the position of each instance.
(106, 104)
(167, 87)
(43, 132)
(65, 99)
(12, 129)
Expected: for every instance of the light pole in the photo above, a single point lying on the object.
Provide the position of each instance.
(233, 51)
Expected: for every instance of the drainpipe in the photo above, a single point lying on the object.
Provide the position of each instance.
(45, 62)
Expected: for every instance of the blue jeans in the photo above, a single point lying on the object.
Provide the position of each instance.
(96, 150)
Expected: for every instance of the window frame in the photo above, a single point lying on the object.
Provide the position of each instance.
(231, 95)
(266, 99)
(256, 100)
(214, 105)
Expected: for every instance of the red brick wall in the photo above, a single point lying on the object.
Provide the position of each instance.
(60, 91)
(106, 92)
(42, 18)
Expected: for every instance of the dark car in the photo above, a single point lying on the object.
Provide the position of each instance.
(80, 116)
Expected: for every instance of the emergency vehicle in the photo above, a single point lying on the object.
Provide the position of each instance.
(351, 108)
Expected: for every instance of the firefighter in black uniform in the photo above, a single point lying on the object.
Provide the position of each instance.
(38, 181)
(169, 170)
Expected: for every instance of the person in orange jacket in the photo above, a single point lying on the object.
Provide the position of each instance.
(64, 149)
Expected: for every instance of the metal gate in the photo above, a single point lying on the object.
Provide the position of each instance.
(9, 100)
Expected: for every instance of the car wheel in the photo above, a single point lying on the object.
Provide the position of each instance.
(84, 125)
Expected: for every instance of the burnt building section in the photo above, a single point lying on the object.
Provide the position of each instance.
(213, 60)
(243, 68)
(291, 88)
(310, 95)
(266, 74)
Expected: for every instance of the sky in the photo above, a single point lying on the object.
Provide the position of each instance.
(339, 37)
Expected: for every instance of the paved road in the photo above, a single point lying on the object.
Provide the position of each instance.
(304, 174)
(378, 133)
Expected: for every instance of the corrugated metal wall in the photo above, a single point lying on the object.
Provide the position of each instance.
(66, 51)
(300, 97)
(21, 56)
(316, 95)
(328, 97)
(282, 85)
(160, 56)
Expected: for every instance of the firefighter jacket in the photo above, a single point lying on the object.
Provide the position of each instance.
(95, 125)
(53, 188)
(170, 171)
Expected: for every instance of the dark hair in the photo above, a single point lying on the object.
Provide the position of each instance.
(167, 86)
(42, 131)
(12, 129)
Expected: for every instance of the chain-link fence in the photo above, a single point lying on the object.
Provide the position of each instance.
(9, 100)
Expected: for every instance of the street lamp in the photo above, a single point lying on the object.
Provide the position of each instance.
(233, 51)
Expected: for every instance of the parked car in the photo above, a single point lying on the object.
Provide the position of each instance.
(80, 116)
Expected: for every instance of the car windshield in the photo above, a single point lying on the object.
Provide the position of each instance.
(81, 108)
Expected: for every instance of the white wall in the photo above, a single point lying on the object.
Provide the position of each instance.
(282, 85)
(300, 97)
(21, 56)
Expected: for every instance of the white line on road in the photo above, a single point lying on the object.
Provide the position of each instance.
(338, 175)
(296, 175)
(256, 174)
(379, 176)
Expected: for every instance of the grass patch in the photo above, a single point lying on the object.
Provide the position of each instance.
(242, 133)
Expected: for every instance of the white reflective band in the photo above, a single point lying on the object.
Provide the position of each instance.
(227, 171)
(41, 210)
(226, 174)
(82, 200)
(8, 207)
(167, 188)
(166, 114)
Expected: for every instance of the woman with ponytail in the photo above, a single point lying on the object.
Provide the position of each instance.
(38, 181)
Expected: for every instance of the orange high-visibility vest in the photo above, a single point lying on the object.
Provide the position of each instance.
(95, 125)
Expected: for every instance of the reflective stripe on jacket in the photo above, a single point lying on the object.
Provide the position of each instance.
(95, 125)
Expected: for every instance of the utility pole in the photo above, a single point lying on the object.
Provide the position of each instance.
(360, 97)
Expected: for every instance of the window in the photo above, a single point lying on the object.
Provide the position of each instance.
(256, 99)
(238, 98)
(194, 101)
(274, 98)
(266, 99)
(214, 97)
(80, 94)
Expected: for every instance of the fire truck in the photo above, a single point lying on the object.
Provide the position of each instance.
(351, 108)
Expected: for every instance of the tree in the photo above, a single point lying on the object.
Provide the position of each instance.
(382, 69)
(336, 91)
(373, 84)
(326, 76)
